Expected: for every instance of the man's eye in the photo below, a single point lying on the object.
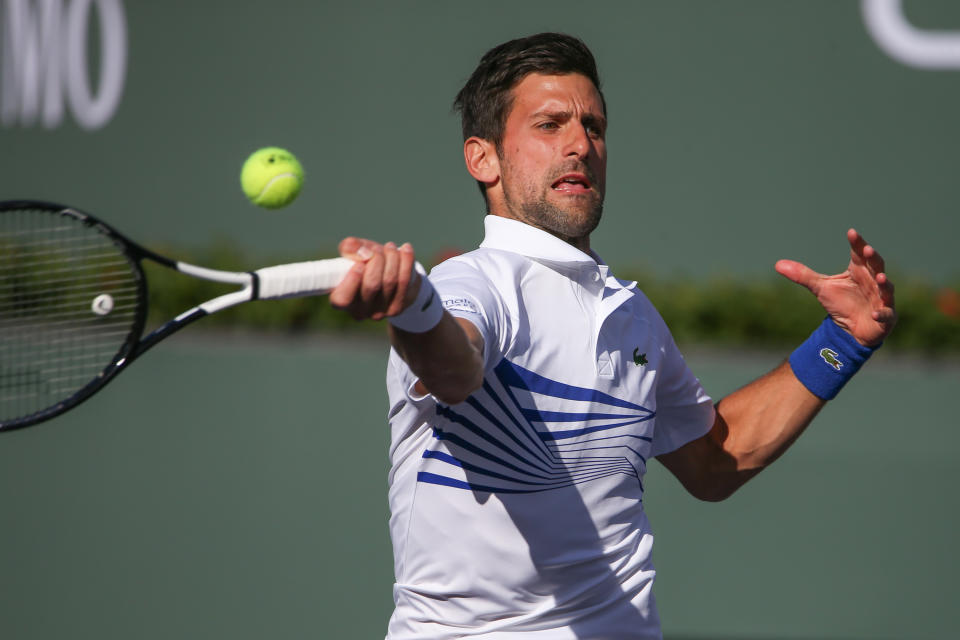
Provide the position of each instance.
(594, 130)
(549, 126)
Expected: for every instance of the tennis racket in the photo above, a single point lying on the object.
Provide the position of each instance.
(73, 305)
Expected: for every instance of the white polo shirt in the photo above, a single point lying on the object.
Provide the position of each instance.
(518, 513)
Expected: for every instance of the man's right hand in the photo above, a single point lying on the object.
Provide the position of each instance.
(382, 283)
(447, 359)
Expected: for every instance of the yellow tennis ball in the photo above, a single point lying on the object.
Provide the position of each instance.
(271, 177)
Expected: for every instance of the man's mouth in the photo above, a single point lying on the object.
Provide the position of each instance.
(572, 183)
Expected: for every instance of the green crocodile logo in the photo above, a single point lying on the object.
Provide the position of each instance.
(830, 357)
(639, 359)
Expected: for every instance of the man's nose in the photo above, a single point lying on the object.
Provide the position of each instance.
(578, 141)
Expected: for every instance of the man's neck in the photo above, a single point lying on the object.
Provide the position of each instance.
(582, 243)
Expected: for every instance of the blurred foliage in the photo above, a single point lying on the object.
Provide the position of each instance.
(722, 311)
(777, 313)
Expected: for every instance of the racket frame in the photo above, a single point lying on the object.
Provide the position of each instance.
(136, 344)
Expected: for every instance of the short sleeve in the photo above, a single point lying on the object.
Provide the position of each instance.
(466, 293)
(684, 410)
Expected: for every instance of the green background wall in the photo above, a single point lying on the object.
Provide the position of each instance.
(741, 132)
(237, 489)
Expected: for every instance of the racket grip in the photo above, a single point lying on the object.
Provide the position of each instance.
(302, 278)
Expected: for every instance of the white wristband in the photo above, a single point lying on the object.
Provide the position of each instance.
(425, 312)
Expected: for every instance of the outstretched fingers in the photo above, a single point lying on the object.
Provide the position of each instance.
(860, 299)
(886, 314)
(886, 289)
(863, 253)
(799, 273)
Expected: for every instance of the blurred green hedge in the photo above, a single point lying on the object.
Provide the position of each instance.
(778, 313)
(769, 313)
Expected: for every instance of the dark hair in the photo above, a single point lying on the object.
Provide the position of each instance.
(485, 100)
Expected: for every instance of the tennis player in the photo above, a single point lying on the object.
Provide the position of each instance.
(530, 388)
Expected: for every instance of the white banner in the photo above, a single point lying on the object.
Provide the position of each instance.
(44, 66)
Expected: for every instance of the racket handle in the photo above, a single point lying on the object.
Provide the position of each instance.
(302, 278)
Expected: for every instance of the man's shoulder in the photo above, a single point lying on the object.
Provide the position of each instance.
(492, 265)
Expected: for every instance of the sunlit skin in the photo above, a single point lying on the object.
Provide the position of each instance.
(549, 170)
(859, 299)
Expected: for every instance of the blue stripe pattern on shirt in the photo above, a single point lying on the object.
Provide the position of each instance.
(508, 446)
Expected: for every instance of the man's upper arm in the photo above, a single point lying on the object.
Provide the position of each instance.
(686, 423)
(470, 297)
(685, 411)
(476, 310)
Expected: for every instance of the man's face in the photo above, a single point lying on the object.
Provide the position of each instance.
(553, 157)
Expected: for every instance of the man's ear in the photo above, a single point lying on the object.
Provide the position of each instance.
(482, 160)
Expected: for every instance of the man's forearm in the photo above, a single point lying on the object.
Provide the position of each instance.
(448, 359)
(758, 422)
(753, 427)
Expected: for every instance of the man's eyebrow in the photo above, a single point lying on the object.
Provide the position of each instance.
(594, 120)
(564, 114)
(554, 114)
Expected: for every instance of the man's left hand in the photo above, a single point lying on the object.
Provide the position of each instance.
(860, 300)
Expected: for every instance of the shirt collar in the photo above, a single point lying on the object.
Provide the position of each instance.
(514, 236)
(518, 237)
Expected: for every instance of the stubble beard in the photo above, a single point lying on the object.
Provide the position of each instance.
(571, 223)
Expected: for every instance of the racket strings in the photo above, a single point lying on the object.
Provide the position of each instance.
(68, 301)
(56, 266)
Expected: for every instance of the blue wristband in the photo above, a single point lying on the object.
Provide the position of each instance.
(827, 359)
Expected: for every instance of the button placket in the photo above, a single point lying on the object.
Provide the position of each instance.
(613, 295)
